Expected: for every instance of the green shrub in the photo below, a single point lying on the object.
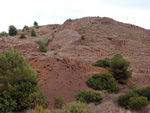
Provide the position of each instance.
(42, 40)
(55, 53)
(55, 26)
(14, 66)
(102, 63)
(90, 44)
(103, 81)
(22, 35)
(136, 103)
(76, 107)
(7, 103)
(83, 27)
(20, 93)
(119, 67)
(145, 91)
(133, 85)
(82, 37)
(125, 99)
(19, 83)
(89, 96)
(58, 102)
(12, 31)
(33, 33)
(43, 48)
(25, 28)
(34, 99)
(3, 34)
(40, 109)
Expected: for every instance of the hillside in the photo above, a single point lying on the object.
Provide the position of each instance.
(75, 45)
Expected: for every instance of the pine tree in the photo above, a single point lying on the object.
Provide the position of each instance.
(33, 33)
(35, 24)
(14, 67)
(19, 90)
(119, 66)
(12, 30)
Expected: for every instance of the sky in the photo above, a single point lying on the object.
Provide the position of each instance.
(24, 12)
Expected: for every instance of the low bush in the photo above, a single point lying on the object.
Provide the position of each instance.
(82, 37)
(133, 86)
(76, 107)
(90, 44)
(136, 103)
(83, 27)
(103, 81)
(145, 91)
(33, 33)
(128, 98)
(22, 35)
(43, 48)
(3, 34)
(25, 28)
(40, 109)
(123, 100)
(89, 96)
(58, 102)
(42, 40)
(102, 63)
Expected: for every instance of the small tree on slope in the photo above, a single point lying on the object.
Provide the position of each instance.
(119, 66)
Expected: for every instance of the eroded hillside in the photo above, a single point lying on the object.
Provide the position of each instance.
(75, 45)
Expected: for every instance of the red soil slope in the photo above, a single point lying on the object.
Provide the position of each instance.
(62, 77)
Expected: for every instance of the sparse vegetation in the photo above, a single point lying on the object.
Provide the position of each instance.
(12, 31)
(102, 63)
(38, 109)
(33, 33)
(42, 43)
(42, 40)
(22, 35)
(76, 107)
(58, 102)
(103, 81)
(82, 37)
(90, 44)
(43, 48)
(119, 66)
(25, 28)
(55, 26)
(83, 27)
(3, 34)
(133, 85)
(19, 90)
(55, 53)
(89, 96)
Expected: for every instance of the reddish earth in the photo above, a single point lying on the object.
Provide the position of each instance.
(62, 77)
